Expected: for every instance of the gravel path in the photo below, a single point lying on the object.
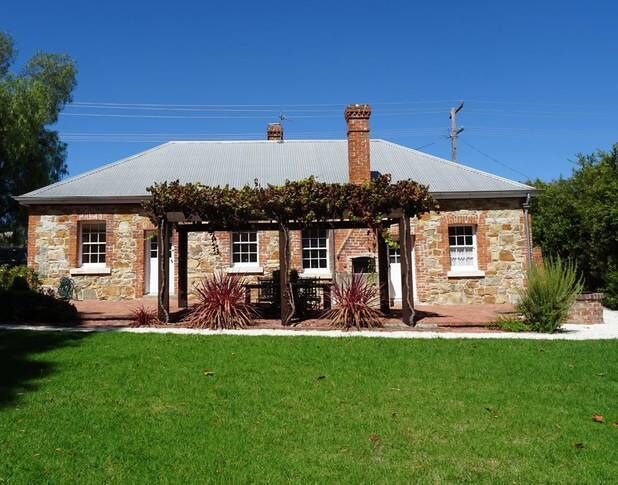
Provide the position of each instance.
(607, 330)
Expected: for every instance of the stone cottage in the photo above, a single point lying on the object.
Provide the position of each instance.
(92, 227)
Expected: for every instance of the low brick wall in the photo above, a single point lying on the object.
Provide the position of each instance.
(587, 309)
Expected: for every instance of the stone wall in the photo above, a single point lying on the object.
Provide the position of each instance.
(53, 250)
(587, 309)
(501, 253)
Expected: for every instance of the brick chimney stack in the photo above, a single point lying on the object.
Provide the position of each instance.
(274, 132)
(357, 118)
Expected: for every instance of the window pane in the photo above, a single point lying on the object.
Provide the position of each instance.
(244, 247)
(93, 242)
(462, 246)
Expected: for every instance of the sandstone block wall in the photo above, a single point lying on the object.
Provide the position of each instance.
(501, 253)
(53, 250)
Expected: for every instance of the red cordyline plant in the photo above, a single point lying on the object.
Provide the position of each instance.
(355, 299)
(143, 317)
(221, 303)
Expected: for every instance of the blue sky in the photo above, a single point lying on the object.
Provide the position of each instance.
(538, 78)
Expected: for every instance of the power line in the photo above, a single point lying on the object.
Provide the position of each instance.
(281, 105)
(160, 116)
(497, 161)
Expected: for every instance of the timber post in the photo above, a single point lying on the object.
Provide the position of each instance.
(407, 285)
(285, 287)
(163, 260)
(183, 281)
(383, 272)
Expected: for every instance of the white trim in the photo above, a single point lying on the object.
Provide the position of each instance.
(315, 271)
(91, 269)
(466, 273)
(474, 267)
(245, 269)
(80, 226)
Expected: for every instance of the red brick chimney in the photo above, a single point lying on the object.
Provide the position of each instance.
(359, 167)
(274, 132)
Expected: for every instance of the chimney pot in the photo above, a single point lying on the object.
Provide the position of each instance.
(274, 131)
(359, 163)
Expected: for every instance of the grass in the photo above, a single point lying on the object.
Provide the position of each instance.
(166, 408)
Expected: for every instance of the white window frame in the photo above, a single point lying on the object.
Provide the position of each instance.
(246, 265)
(315, 271)
(469, 270)
(82, 225)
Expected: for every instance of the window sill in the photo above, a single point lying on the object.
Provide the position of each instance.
(85, 270)
(468, 273)
(315, 274)
(245, 270)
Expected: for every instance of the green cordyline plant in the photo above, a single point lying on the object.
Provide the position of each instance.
(355, 301)
(221, 303)
(550, 292)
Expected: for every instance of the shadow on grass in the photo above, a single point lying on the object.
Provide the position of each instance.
(20, 363)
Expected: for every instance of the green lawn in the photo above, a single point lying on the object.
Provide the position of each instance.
(167, 408)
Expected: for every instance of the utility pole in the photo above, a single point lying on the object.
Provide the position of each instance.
(454, 130)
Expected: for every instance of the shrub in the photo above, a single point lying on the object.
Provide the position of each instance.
(19, 284)
(30, 306)
(221, 303)
(549, 294)
(355, 304)
(510, 323)
(143, 317)
(610, 299)
(9, 274)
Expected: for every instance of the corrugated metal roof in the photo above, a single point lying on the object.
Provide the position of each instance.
(238, 163)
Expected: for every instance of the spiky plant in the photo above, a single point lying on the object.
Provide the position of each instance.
(355, 301)
(143, 317)
(221, 303)
(550, 292)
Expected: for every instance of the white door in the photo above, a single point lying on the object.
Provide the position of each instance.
(152, 267)
(394, 276)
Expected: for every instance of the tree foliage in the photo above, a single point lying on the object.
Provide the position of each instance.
(577, 218)
(31, 154)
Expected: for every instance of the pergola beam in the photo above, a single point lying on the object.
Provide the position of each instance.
(273, 226)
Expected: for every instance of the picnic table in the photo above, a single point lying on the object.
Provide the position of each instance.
(311, 292)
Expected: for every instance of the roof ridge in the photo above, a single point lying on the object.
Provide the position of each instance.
(462, 166)
(297, 140)
(93, 171)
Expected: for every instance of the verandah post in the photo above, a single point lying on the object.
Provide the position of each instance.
(183, 283)
(285, 289)
(163, 260)
(383, 272)
(407, 285)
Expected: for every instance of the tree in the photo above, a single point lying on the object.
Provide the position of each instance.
(31, 154)
(577, 218)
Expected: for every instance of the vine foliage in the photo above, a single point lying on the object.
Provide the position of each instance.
(304, 202)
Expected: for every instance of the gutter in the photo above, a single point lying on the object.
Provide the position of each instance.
(526, 207)
(136, 199)
(72, 200)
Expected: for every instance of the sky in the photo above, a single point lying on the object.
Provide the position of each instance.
(538, 78)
